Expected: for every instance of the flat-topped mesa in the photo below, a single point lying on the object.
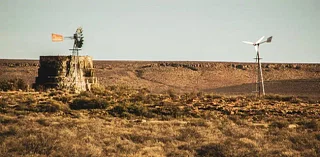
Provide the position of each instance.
(66, 72)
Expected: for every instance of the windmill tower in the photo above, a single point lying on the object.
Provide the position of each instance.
(67, 72)
(259, 80)
(74, 71)
(77, 45)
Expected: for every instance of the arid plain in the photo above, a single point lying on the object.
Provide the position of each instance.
(165, 108)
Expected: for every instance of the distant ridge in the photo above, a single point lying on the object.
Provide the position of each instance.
(189, 76)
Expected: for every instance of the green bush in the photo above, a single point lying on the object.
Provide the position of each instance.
(13, 84)
(137, 109)
(52, 106)
(88, 103)
(119, 111)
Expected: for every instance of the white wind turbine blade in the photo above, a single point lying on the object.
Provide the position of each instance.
(256, 48)
(259, 40)
(248, 42)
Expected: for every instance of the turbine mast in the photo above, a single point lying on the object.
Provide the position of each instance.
(259, 80)
(260, 76)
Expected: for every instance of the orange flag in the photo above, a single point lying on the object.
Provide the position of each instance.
(56, 37)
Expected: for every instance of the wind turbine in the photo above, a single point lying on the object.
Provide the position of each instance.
(259, 81)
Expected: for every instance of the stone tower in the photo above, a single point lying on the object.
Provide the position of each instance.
(66, 72)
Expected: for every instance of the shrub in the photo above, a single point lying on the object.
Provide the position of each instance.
(7, 120)
(13, 84)
(64, 99)
(211, 150)
(88, 103)
(279, 124)
(229, 147)
(5, 85)
(302, 142)
(9, 131)
(138, 138)
(137, 109)
(3, 103)
(313, 124)
(20, 84)
(119, 110)
(38, 144)
(279, 98)
(29, 99)
(169, 110)
(52, 106)
(188, 134)
(98, 89)
(43, 122)
(172, 94)
(318, 136)
(86, 94)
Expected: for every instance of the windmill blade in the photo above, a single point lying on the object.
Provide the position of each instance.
(260, 40)
(248, 42)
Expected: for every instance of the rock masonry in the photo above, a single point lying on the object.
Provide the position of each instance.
(66, 72)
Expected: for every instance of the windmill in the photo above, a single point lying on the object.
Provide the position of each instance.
(77, 45)
(259, 80)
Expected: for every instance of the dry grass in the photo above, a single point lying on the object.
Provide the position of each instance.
(134, 122)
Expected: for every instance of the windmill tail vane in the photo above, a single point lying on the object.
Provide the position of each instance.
(56, 37)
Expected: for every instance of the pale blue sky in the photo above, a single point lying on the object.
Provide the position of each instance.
(208, 30)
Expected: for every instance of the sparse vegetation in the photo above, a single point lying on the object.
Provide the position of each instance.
(88, 103)
(123, 121)
(12, 84)
(52, 106)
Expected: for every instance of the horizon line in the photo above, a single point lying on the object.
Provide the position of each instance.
(143, 60)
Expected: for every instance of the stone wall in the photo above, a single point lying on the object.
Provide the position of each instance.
(64, 72)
